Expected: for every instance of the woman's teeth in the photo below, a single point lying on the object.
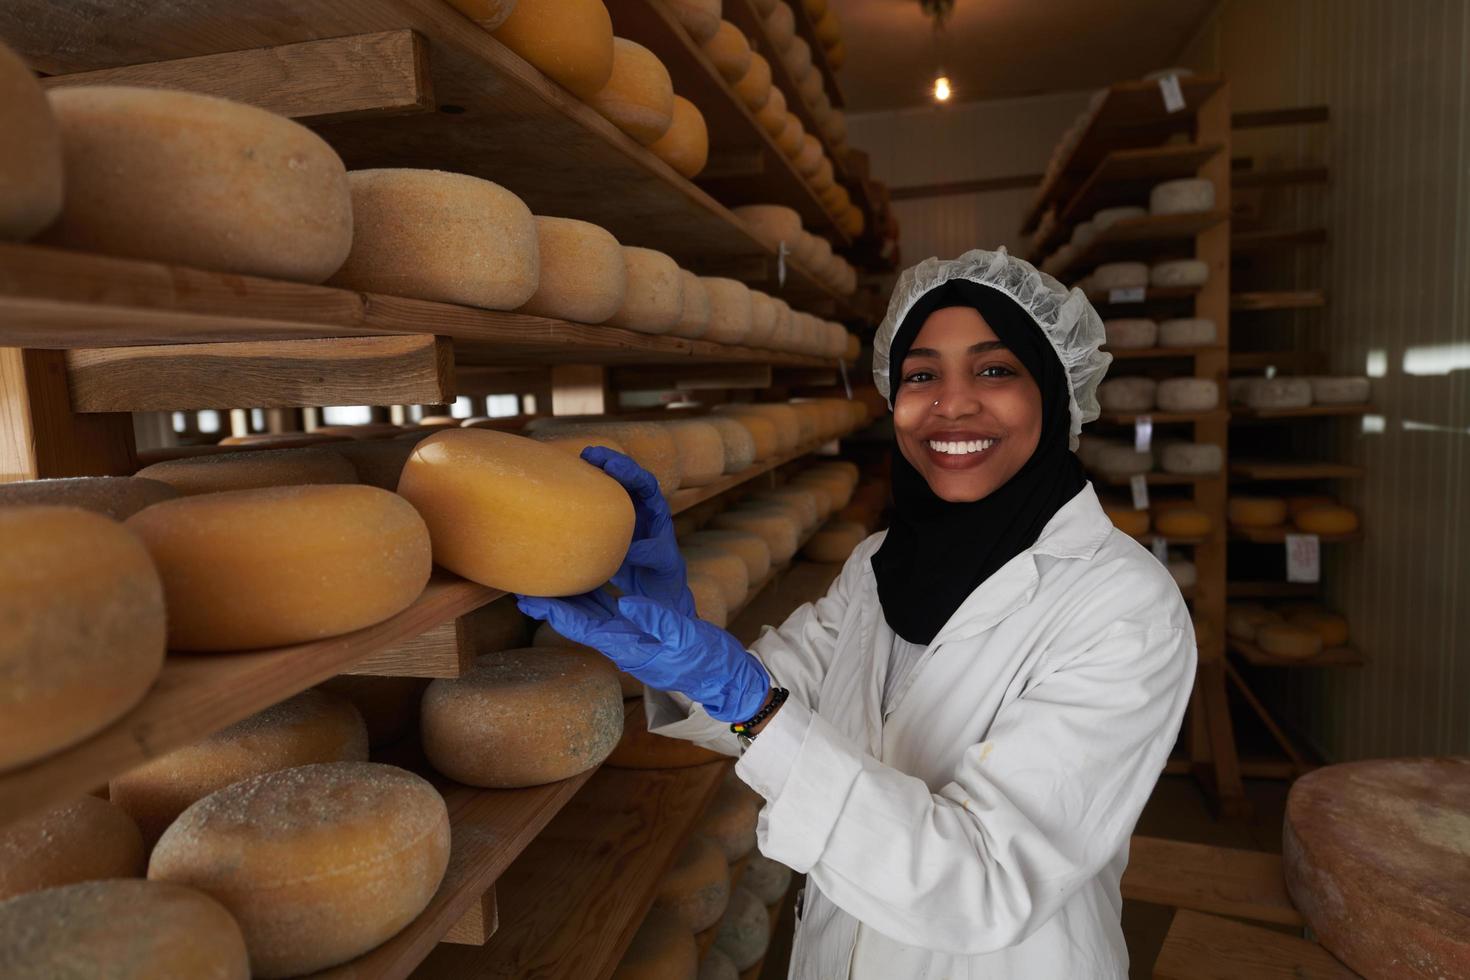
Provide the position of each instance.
(961, 448)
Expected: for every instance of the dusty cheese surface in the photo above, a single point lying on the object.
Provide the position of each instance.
(701, 451)
(749, 546)
(30, 156)
(663, 948)
(696, 888)
(685, 145)
(117, 497)
(639, 95)
(583, 277)
(252, 470)
(87, 839)
(654, 300)
(745, 931)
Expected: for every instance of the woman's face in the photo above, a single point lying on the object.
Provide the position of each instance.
(966, 413)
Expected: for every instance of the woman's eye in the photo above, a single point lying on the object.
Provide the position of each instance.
(997, 371)
(917, 377)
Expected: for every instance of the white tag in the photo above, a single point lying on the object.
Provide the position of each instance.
(842, 366)
(1303, 558)
(1173, 95)
(1161, 550)
(781, 251)
(1138, 483)
(1143, 434)
(1132, 294)
(833, 448)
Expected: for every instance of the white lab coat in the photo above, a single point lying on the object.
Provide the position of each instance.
(980, 828)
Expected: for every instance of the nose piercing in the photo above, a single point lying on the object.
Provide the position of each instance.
(936, 402)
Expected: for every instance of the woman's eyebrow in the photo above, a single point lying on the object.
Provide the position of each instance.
(980, 348)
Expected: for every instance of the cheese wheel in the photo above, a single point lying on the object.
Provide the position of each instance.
(723, 565)
(754, 87)
(694, 315)
(440, 236)
(1340, 391)
(251, 471)
(30, 157)
(313, 726)
(701, 18)
(389, 706)
(1120, 275)
(1121, 460)
(1127, 394)
(731, 311)
(710, 603)
(1185, 196)
(1183, 522)
(1288, 641)
(835, 541)
(766, 879)
(488, 14)
(717, 966)
(826, 175)
(1134, 523)
(647, 443)
(583, 273)
(764, 315)
(663, 948)
(782, 417)
(639, 95)
(1188, 332)
(730, 52)
(772, 115)
(750, 547)
(1256, 511)
(1191, 458)
(810, 84)
(1188, 395)
(1184, 573)
(696, 888)
(1269, 393)
(780, 528)
(318, 864)
(805, 250)
(513, 514)
(545, 636)
(745, 931)
(1131, 334)
(798, 57)
(377, 462)
(738, 441)
(654, 301)
(570, 41)
(730, 820)
(701, 452)
(200, 181)
(121, 929)
(1108, 217)
(1243, 619)
(1326, 519)
(837, 56)
(685, 145)
(781, 27)
(801, 499)
(364, 430)
(762, 432)
(790, 137)
(84, 840)
(827, 27)
(83, 636)
(771, 224)
(1179, 272)
(1330, 627)
(523, 717)
(641, 749)
(574, 443)
(808, 162)
(117, 497)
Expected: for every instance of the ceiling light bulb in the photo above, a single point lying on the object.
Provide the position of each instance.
(942, 90)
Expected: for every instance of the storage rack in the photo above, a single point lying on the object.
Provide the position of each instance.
(87, 340)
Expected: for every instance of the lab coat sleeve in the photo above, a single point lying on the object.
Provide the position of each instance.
(1032, 813)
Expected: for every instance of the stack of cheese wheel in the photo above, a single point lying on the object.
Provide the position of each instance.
(803, 500)
(30, 159)
(546, 636)
(84, 840)
(784, 418)
(694, 317)
(701, 18)
(318, 864)
(571, 41)
(730, 819)
(766, 879)
(729, 50)
(731, 311)
(717, 966)
(685, 144)
(117, 497)
(662, 949)
(703, 452)
(751, 548)
(739, 445)
(777, 525)
(696, 888)
(723, 564)
(378, 462)
(252, 470)
(583, 273)
(745, 931)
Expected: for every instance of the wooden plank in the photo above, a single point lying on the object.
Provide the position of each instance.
(436, 652)
(1283, 177)
(1278, 735)
(360, 76)
(1255, 241)
(41, 436)
(1207, 947)
(1294, 116)
(693, 377)
(1163, 418)
(1243, 413)
(1141, 238)
(408, 370)
(578, 389)
(1153, 294)
(1330, 657)
(197, 695)
(1302, 299)
(1221, 880)
(982, 186)
(1305, 361)
(1159, 353)
(1273, 470)
(478, 924)
(682, 500)
(1127, 176)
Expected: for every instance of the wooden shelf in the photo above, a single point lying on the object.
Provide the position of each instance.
(1273, 471)
(1127, 176)
(1277, 535)
(1153, 294)
(1330, 657)
(1133, 238)
(682, 500)
(197, 695)
(1256, 241)
(1243, 413)
(1146, 353)
(1162, 418)
(1302, 299)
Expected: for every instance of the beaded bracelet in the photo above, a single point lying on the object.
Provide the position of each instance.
(778, 698)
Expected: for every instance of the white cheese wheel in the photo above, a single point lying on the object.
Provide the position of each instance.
(731, 312)
(1186, 196)
(435, 235)
(745, 931)
(1127, 394)
(754, 87)
(583, 275)
(696, 888)
(1131, 334)
(766, 879)
(510, 513)
(685, 145)
(780, 528)
(781, 26)
(663, 948)
(523, 717)
(318, 864)
(717, 966)
(771, 224)
(739, 443)
(730, 52)
(30, 156)
(389, 705)
(1256, 511)
(701, 451)
(654, 300)
(1188, 332)
(251, 471)
(701, 18)
(313, 726)
(764, 315)
(83, 636)
(570, 41)
(1191, 458)
(835, 541)
(694, 316)
(1184, 573)
(1188, 395)
(1267, 393)
(1179, 272)
(772, 115)
(1119, 459)
(1108, 217)
(120, 929)
(85, 840)
(199, 181)
(1120, 275)
(723, 565)
(1340, 391)
(639, 95)
(1288, 641)
(117, 497)
(749, 546)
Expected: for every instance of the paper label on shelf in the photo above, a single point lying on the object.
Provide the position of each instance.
(1143, 434)
(1138, 483)
(1161, 550)
(1131, 294)
(1173, 95)
(781, 265)
(846, 384)
(1303, 558)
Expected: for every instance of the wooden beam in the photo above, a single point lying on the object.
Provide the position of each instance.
(691, 377)
(980, 186)
(578, 389)
(1294, 116)
(449, 648)
(724, 164)
(408, 369)
(355, 77)
(41, 436)
(1221, 880)
(1207, 947)
(478, 924)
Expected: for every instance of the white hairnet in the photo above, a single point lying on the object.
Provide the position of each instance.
(1065, 317)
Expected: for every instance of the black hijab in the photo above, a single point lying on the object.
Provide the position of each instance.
(938, 552)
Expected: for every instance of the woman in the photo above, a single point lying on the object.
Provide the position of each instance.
(955, 742)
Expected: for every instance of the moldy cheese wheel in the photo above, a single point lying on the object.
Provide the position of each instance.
(701, 451)
(513, 514)
(30, 157)
(639, 96)
(654, 301)
(313, 726)
(729, 49)
(583, 275)
(685, 145)
(199, 181)
(696, 888)
(701, 18)
(121, 929)
(261, 568)
(717, 966)
(83, 636)
(730, 310)
(84, 840)
(641, 749)
(523, 717)
(694, 317)
(440, 236)
(570, 41)
(251, 470)
(117, 497)
(663, 948)
(318, 864)
(745, 931)
(767, 880)
(738, 441)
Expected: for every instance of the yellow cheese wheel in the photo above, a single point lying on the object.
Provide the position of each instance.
(389, 705)
(654, 301)
(318, 864)
(313, 726)
(763, 319)
(362, 430)
(663, 948)
(647, 443)
(489, 14)
(701, 452)
(574, 443)
(1288, 641)
(252, 470)
(701, 18)
(583, 275)
(570, 41)
(827, 27)
(545, 636)
(791, 135)
(1295, 505)
(1183, 522)
(763, 434)
(730, 820)
(754, 87)
(1257, 511)
(835, 541)
(83, 634)
(641, 749)
(730, 310)
(1332, 628)
(442, 236)
(1132, 522)
(810, 84)
(523, 717)
(749, 546)
(696, 888)
(780, 528)
(783, 417)
(837, 55)
(377, 462)
(802, 500)
(121, 929)
(721, 564)
(264, 568)
(694, 318)
(737, 441)
(1243, 620)
(771, 224)
(84, 840)
(205, 182)
(729, 50)
(1326, 519)
(685, 145)
(513, 514)
(709, 599)
(809, 158)
(772, 115)
(117, 497)
(639, 95)
(30, 156)
(781, 26)
(815, 9)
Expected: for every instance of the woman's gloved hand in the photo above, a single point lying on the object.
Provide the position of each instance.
(663, 648)
(653, 567)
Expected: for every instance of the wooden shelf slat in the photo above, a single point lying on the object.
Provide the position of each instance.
(1330, 657)
(1277, 535)
(1162, 418)
(1302, 299)
(1253, 241)
(1153, 294)
(1146, 353)
(1127, 176)
(1243, 413)
(1133, 238)
(682, 500)
(1272, 470)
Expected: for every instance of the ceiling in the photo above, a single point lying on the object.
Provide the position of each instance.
(1006, 48)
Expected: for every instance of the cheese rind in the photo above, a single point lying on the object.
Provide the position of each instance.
(694, 316)
(1134, 523)
(570, 41)
(1183, 522)
(1187, 195)
(685, 145)
(1191, 458)
(85, 840)
(835, 541)
(30, 157)
(1127, 394)
(731, 311)
(766, 879)
(729, 49)
(639, 95)
(723, 565)
(1120, 275)
(663, 948)
(1188, 395)
(117, 497)
(1288, 641)
(252, 470)
(701, 452)
(1179, 272)
(696, 888)
(1256, 511)
(646, 442)
(739, 443)
(654, 301)
(745, 931)
(749, 546)
(701, 18)
(1131, 334)
(754, 87)
(1326, 519)
(583, 275)
(489, 14)
(1188, 332)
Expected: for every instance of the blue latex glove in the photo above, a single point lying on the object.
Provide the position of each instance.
(663, 648)
(653, 566)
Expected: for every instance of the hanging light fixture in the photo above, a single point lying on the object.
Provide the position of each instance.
(938, 11)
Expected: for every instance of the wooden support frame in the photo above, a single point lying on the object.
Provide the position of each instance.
(478, 923)
(579, 389)
(449, 648)
(40, 434)
(1208, 947)
(1219, 880)
(691, 377)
